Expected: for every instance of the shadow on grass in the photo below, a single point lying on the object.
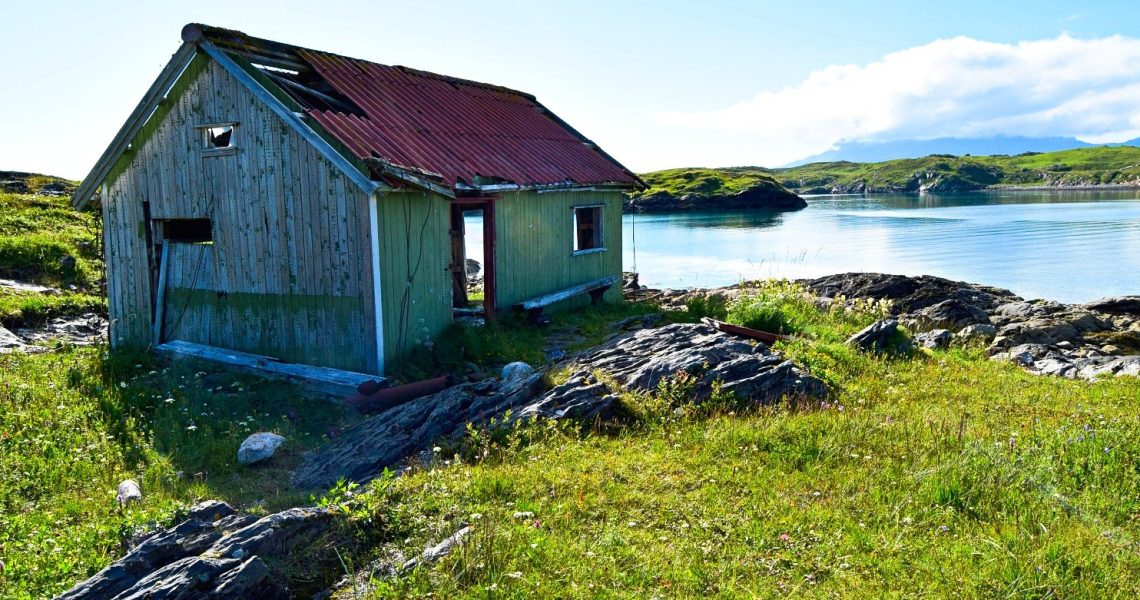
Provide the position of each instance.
(189, 417)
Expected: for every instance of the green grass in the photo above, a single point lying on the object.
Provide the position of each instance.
(77, 422)
(511, 338)
(1081, 166)
(705, 182)
(937, 474)
(24, 309)
(38, 232)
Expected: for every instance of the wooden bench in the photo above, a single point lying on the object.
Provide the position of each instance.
(595, 288)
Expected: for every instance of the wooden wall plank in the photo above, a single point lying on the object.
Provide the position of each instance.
(289, 271)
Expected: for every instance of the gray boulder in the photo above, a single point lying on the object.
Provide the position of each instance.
(202, 527)
(128, 492)
(981, 331)
(908, 294)
(948, 314)
(214, 553)
(641, 360)
(879, 336)
(938, 339)
(258, 447)
(10, 342)
(1116, 305)
(582, 398)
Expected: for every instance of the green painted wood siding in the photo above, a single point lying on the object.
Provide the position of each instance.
(289, 271)
(534, 243)
(414, 256)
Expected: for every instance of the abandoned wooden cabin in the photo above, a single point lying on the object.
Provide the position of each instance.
(288, 203)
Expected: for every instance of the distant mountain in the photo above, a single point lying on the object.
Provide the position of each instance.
(863, 152)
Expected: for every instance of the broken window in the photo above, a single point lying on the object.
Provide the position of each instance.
(219, 137)
(587, 228)
(187, 231)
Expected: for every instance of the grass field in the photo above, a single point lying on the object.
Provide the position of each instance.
(934, 474)
(942, 475)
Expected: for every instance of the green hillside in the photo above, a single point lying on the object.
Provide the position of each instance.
(1118, 166)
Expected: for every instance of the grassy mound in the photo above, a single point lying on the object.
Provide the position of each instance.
(44, 241)
(706, 182)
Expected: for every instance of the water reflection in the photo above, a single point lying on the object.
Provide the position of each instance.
(1069, 246)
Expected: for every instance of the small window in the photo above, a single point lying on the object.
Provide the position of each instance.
(587, 228)
(219, 137)
(187, 231)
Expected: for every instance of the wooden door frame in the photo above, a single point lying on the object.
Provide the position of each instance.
(487, 205)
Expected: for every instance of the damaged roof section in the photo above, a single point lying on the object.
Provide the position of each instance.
(441, 131)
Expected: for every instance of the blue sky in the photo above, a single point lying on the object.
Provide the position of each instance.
(658, 84)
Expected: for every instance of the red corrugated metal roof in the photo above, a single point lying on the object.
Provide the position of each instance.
(455, 128)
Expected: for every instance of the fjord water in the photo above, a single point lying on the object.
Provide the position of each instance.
(1065, 246)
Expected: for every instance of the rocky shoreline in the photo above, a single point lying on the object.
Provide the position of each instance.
(1086, 341)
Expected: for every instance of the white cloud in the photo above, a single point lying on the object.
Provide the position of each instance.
(959, 87)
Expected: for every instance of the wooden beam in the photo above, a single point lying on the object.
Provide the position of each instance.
(582, 288)
(490, 288)
(377, 301)
(138, 117)
(385, 168)
(308, 90)
(319, 143)
(323, 379)
(160, 293)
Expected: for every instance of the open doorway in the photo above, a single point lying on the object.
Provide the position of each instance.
(472, 233)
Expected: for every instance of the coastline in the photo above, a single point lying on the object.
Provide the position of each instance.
(1086, 340)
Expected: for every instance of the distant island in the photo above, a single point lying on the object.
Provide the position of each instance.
(777, 189)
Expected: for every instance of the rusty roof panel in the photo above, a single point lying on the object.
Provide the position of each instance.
(458, 129)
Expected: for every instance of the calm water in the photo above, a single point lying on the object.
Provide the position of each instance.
(1067, 246)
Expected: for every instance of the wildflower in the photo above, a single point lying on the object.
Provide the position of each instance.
(191, 427)
(123, 384)
(476, 516)
(944, 528)
(785, 538)
(169, 401)
(515, 575)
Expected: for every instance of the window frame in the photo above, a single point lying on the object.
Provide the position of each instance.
(204, 136)
(164, 225)
(599, 229)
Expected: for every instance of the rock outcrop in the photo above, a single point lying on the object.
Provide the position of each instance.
(636, 361)
(214, 553)
(910, 294)
(386, 439)
(880, 336)
(1095, 339)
